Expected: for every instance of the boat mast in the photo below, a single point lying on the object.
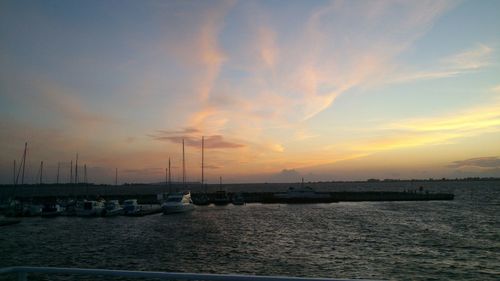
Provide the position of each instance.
(58, 167)
(14, 174)
(71, 172)
(202, 160)
(183, 165)
(169, 177)
(41, 172)
(76, 169)
(23, 164)
(85, 179)
(116, 176)
(220, 183)
(85, 173)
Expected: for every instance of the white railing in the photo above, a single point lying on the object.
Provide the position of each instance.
(22, 274)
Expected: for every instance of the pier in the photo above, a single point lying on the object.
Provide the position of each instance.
(259, 193)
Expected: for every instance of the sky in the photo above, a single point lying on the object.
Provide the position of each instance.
(325, 90)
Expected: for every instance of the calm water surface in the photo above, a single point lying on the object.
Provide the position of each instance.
(441, 240)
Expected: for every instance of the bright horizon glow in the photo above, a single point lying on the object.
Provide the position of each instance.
(326, 90)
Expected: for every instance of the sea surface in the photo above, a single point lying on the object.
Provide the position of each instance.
(434, 240)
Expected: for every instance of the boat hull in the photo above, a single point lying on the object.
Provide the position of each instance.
(90, 213)
(175, 209)
(112, 213)
(51, 214)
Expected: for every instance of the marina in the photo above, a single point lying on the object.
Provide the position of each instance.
(254, 140)
(147, 204)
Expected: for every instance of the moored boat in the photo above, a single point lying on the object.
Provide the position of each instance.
(238, 199)
(201, 200)
(14, 209)
(32, 210)
(51, 210)
(303, 194)
(221, 198)
(178, 202)
(90, 208)
(112, 208)
(131, 207)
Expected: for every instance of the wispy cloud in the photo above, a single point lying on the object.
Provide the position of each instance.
(62, 103)
(144, 171)
(200, 49)
(458, 64)
(436, 130)
(191, 137)
(481, 162)
(327, 57)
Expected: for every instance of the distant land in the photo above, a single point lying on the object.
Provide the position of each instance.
(175, 183)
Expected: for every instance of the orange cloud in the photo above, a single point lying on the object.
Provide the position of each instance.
(191, 137)
(201, 51)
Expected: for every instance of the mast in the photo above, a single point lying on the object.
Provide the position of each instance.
(169, 177)
(71, 172)
(116, 176)
(166, 176)
(183, 165)
(220, 183)
(85, 173)
(24, 161)
(58, 167)
(76, 169)
(14, 174)
(202, 159)
(85, 179)
(41, 172)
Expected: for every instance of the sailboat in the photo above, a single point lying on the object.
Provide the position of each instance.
(221, 197)
(18, 208)
(303, 194)
(203, 198)
(179, 202)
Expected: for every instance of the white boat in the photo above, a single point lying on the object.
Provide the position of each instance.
(131, 207)
(178, 202)
(90, 208)
(32, 210)
(51, 210)
(303, 194)
(14, 209)
(112, 208)
(69, 207)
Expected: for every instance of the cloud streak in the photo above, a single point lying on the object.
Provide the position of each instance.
(437, 130)
(327, 57)
(481, 162)
(191, 138)
(458, 64)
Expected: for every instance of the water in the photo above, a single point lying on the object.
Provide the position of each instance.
(440, 240)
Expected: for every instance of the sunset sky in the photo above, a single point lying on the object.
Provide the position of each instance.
(342, 90)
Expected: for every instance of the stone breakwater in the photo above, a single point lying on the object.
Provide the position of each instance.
(251, 193)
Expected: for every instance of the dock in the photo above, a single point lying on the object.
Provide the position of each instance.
(264, 193)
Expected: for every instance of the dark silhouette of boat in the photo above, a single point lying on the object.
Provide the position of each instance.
(221, 197)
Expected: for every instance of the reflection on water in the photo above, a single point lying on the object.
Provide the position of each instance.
(446, 240)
